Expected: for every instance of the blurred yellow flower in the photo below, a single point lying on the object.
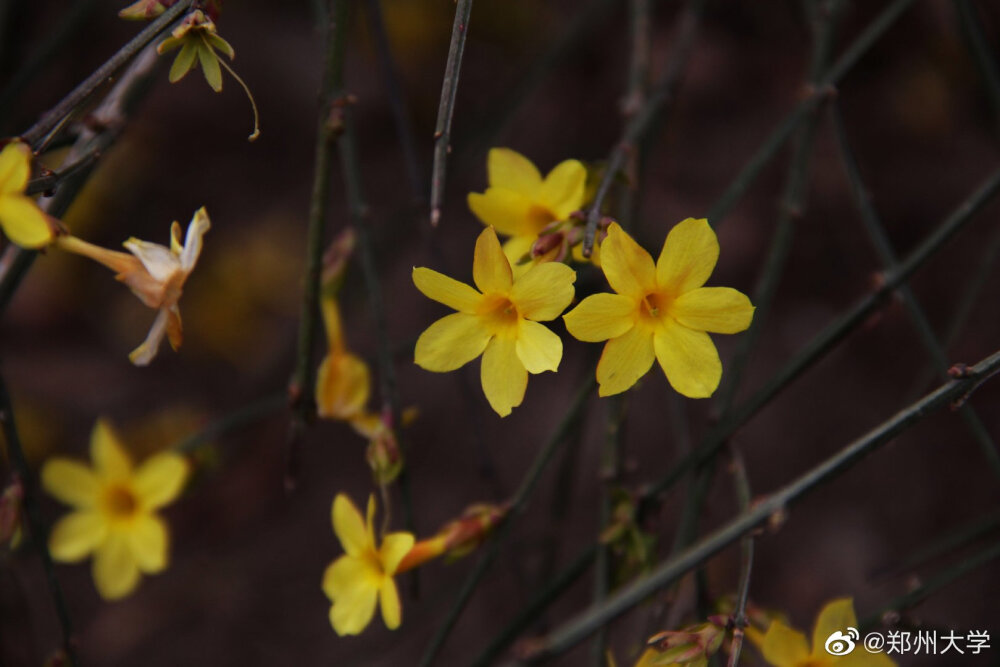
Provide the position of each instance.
(114, 513)
(363, 576)
(519, 203)
(500, 322)
(155, 273)
(343, 382)
(660, 311)
(785, 647)
(20, 218)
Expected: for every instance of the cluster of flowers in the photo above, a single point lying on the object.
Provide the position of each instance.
(658, 311)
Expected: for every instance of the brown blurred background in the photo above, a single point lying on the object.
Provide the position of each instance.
(243, 585)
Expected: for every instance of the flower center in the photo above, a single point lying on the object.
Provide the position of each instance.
(539, 217)
(655, 306)
(499, 312)
(120, 502)
(374, 562)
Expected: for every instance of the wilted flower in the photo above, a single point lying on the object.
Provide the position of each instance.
(114, 513)
(156, 274)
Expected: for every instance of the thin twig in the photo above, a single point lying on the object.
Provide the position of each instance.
(877, 234)
(947, 543)
(742, 484)
(934, 584)
(847, 60)
(235, 420)
(776, 504)
(449, 89)
(37, 133)
(397, 101)
(39, 534)
(979, 48)
(329, 126)
(517, 506)
(833, 334)
(656, 104)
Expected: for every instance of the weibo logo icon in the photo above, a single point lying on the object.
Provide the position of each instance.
(840, 643)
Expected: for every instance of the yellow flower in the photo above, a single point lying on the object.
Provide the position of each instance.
(343, 382)
(20, 218)
(784, 647)
(500, 321)
(660, 311)
(519, 203)
(363, 575)
(115, 511)
(155, 273)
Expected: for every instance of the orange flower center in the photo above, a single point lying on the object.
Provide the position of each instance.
(655, 306)
(499, 312)
(120, 502)
(539, 217)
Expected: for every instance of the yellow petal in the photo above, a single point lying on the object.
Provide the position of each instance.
(600, 317)
(505, 210)
(346, 578)
(490, 268)
(343, 385)
(688, 257)
(784, 647)
(332, 323)
(210, 66)
(351, 615)
(106, 451)
(625, 359)
(116, 573)
(15, 168)
(503, 376)
(76, 535)
(349, 526)
(175, 329)
(518, 251)
(689, 360)
(394, 548)
(511, 170)
(544, 291)
(451, 342)
(392, 612)
(70, 482)
(713, 309)
(562, 191)
(23, 222)
(149, 542)
(370, 521)
(448, 291)
(537, 347)
(160, 479)
(628, 268)
(183, 62)
(837, 615)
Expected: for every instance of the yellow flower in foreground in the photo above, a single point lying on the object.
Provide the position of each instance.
(660, 311)
(155, 273)
(519, 203)
(500, 321)
(360, 578)
(115, 511)
(343, 382)
(784, 647)
(20, 218)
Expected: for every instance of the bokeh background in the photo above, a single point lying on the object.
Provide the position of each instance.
(247, 557)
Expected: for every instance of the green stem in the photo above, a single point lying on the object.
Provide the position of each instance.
(449, 89)
(38, 133)
(877, 234)
(39, 534)
(741, 482)
(776, 504)
(948, 543)
(237, 419)
(517, 506)
(979, 47)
